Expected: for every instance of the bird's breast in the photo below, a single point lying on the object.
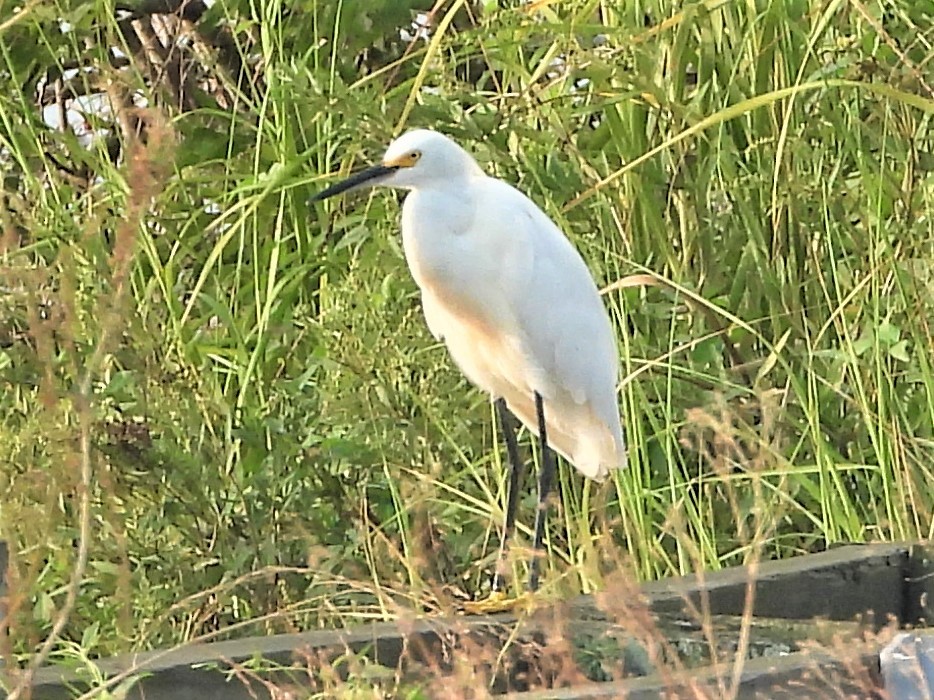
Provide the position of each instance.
(488, 353)
(448, 257)
(462, 272)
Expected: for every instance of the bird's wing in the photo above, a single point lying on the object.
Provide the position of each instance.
(567, 333)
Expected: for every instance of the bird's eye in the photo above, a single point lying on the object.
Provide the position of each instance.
(414, 156)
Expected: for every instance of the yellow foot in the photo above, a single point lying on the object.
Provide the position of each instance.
(500, 602)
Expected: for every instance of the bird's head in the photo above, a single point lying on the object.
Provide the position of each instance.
(419, 158)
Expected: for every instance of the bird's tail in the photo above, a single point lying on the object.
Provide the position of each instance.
(597, 452)
(577, 434)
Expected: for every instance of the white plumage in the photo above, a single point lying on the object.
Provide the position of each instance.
(510, 297)
(515, 305)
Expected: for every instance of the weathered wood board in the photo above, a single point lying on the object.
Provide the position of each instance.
(874, 582)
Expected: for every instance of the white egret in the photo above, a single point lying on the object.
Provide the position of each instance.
(516, 306)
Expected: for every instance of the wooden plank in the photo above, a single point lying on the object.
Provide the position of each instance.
(196, 670)
(840, 585)
(919, 586)
(4, 563)
(799, 675)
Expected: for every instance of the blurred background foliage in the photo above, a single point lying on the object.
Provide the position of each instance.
(242, 388)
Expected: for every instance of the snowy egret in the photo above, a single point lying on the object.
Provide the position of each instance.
(516, 306)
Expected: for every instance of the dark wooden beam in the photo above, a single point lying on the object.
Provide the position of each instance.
(875, 581)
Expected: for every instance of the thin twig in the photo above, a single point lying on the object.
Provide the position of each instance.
(122, 263)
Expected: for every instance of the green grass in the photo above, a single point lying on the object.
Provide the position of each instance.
(245, 399)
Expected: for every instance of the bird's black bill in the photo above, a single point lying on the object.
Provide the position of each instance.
(364, 177)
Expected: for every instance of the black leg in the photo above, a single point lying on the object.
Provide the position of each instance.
(508, 424)
(546, 476)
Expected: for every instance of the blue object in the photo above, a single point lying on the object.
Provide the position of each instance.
(907, 664)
